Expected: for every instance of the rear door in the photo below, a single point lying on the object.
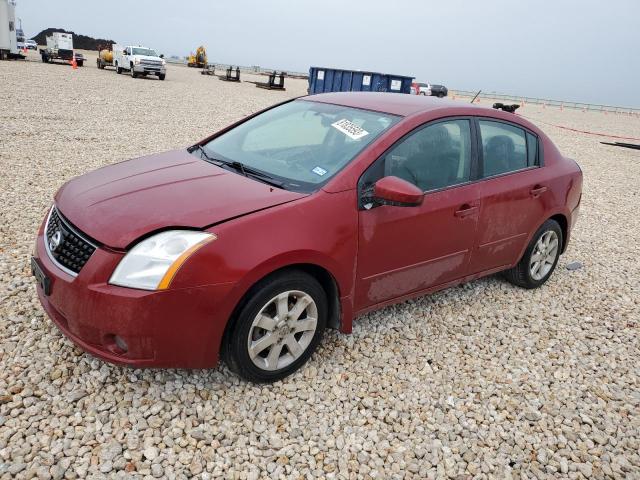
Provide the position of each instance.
(408, 249)
(513, 191)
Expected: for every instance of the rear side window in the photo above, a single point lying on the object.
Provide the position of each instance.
(504, 148)
(532, 150)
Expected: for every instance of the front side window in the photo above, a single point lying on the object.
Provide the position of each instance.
(434, 157)
(504, 148)
(301, 143)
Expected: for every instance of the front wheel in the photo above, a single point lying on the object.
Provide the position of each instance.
(539, 259)
(133, 73)
(278, 328)
(118, 69)
(161, 76)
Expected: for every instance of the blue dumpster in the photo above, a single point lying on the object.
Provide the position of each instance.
(335, 80)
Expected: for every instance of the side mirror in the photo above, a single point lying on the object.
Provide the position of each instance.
(162, 55)
(398, 192)
(124, 52)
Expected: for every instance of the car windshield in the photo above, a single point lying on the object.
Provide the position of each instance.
(302, 144)
(144, 51)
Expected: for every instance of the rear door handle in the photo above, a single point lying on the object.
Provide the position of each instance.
(537, 190)
(466, 210)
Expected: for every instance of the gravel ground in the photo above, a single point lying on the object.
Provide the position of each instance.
(484, 380)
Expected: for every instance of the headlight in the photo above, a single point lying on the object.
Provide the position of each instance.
(164, 62)
(136, 61)
(152, 263)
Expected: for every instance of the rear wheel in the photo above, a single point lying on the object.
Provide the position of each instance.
(440, 95)
(539, 259)
(278, 328)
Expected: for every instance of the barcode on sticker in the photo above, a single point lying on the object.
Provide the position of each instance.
(319, 171)
(350, 129)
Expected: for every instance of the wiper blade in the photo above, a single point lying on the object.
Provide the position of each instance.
(263, 177)
(240, 167)
(203, 153)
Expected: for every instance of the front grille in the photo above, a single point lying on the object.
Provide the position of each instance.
(152, 63)
(65, 245)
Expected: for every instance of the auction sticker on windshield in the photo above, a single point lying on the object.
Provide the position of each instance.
(350, 129)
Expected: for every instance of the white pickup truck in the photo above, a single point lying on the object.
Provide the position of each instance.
(138, 61)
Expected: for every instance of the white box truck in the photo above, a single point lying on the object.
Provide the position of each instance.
(8, 40)
(139, 61)
(60, 47)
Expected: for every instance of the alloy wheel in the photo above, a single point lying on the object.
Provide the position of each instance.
(282, 331)
(544, 255)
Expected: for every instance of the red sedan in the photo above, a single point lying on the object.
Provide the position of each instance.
(247, 245)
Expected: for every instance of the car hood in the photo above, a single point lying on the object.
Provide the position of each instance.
(116, 205)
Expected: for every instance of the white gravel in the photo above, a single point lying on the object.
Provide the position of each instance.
(485, 380)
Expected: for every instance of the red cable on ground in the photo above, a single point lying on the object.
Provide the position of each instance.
(597, 134)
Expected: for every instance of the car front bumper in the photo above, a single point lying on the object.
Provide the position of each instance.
(149, 69)
(174, 328)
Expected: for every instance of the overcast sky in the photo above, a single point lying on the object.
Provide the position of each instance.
(581, 50)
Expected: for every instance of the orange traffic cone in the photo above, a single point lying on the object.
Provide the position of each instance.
(74, 64)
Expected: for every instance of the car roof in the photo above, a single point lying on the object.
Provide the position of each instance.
(405, 105)
(393, 103)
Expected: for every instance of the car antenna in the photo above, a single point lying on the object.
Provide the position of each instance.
(474, 98)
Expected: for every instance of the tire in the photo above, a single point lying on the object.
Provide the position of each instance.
(80, 64)
(524, 274)
(261, 306)
(440, 95)
(118, 69)
(162, 76)
(133, 73)
(423, 94)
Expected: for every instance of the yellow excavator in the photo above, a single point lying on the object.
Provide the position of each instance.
(198, 59)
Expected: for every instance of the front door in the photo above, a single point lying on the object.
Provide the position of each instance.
(407, 249)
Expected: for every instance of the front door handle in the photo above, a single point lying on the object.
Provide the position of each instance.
(537, 191)
(466, 210)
